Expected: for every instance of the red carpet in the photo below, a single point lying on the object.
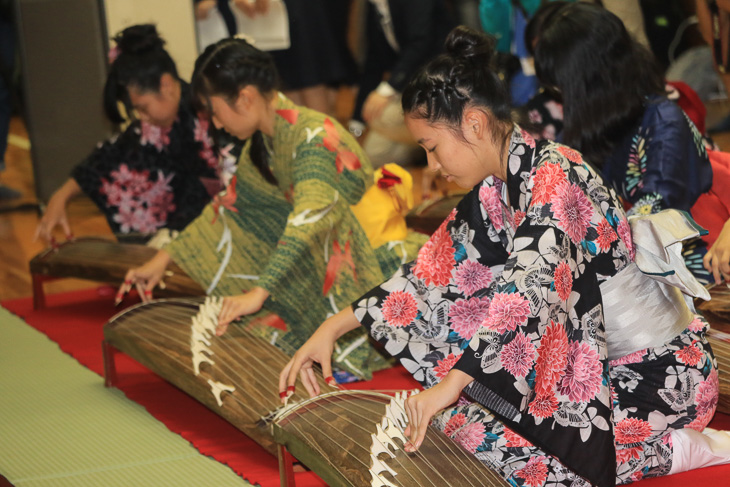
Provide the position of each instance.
(74, 321)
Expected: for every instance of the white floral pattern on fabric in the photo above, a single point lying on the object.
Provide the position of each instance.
(530, 330)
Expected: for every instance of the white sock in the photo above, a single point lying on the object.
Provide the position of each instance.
(692, 449)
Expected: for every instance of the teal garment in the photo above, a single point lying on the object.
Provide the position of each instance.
(497, 19)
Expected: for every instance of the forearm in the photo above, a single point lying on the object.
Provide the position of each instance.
(339, 324)
(69, 189)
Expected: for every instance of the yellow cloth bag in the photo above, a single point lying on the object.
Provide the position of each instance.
(382, 209)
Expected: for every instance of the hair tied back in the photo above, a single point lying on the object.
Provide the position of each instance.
(466, 45)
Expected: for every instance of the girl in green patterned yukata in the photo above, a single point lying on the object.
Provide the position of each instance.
(282, 238)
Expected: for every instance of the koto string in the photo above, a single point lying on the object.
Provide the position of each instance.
(186, 315)
(149, 323)
(374, 421)
(417, 453)
(152, 326)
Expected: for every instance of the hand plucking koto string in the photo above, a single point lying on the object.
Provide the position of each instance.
(317, 349)
(145, 277)
(234, 307)
(420, 408)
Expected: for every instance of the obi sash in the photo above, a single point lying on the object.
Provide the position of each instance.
(650, 301)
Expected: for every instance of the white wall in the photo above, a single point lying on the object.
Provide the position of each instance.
(175, 23)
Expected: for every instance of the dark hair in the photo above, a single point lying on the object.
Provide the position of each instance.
(604, 76)
(224, 69)
(141, 60)
(542, 16)
(459, 79)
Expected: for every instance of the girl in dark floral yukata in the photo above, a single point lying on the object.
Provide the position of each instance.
(155, 174)
(519, 315)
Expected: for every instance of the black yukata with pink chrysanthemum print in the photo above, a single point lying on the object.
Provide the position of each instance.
(507, 290)
(148, 178)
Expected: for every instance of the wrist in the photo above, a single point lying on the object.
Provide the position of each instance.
(260, 293)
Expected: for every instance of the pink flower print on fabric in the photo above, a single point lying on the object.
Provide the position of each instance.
(571, 154)
(708, 393)
(552, 357)
(514, 440)
(155, 135)
(543, 406)
(471, 276)
(529, 140)
(200, 132)
(606, 235)
(471, 436)
(632, 358)
(632, 430)
(534, 116)
(573, 210)
(518, 355)
(143, 205)
(625, 454)
(624, 232)
(519, 216)
(547, 177)
(454, 423)
(445, 365)
(689, 355)
(467, 315)
(534, 473)
(436, 259)
(507, 312)
(582, 379)
(491, 201)
(697, 325)
(563, 280)
(399, 308)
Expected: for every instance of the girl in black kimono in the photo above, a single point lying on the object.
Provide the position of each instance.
(154, 174)
(519, 316)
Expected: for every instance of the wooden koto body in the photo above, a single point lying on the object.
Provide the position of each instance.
(236, 375)
(101, 260)
(717, 313)
(354, 439)
(238, 380)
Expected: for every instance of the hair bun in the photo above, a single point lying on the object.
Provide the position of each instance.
(470, 45)
(139, 39)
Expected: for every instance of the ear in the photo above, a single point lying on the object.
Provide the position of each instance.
(246, 97)
(167, 84)
(475, 123)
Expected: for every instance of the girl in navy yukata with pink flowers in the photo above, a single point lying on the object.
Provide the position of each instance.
(159, 172)
(519, 316)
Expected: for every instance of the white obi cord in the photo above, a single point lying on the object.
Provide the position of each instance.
(650, 301)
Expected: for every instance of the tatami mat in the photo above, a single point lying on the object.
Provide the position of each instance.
(59, 425)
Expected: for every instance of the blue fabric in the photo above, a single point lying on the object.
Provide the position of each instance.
(664, 158)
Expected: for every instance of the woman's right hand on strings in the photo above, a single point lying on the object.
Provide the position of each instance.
(317, 349)
(145, 277)
(55, 214)
(717, 258)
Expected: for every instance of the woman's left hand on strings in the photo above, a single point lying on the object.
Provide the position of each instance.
(421, 407)
(234, 307)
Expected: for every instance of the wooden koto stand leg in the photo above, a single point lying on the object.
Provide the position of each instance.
(286, 467)
(110, 369)
(39, 293)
